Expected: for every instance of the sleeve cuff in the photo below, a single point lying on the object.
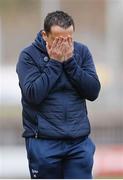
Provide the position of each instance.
(55, 62)
(68, 61)
(70, 64)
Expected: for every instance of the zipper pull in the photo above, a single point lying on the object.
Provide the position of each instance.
(36, 135)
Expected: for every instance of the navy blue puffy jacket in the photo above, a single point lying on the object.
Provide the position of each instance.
(54, 94)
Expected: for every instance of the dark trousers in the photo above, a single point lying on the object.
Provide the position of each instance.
(60, 159)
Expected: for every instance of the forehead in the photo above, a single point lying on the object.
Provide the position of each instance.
(57, 31)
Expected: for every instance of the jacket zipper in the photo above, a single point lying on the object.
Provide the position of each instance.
(65, 113)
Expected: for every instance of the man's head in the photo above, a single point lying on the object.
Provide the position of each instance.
(57, 24)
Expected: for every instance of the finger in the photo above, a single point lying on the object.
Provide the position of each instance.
(64, 44)
(68, 46)
(69, 40)
(47, 46)
(55, 42)
(67, 43)
(61, 39)
(71, 43)
(65, 40)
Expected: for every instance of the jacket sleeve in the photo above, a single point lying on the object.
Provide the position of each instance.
(84, 78)
(35, 85)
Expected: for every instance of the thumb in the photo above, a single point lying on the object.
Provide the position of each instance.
(47, 46)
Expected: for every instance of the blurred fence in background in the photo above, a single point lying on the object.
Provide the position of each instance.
(99, 25)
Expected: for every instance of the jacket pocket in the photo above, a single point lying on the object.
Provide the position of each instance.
(44, 127)
(88, 149)
(49, 129)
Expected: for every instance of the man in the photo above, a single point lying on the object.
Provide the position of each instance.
(56, 76)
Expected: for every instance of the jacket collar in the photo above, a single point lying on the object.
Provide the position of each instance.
(40, 43)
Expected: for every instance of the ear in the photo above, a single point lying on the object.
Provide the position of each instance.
(44, 35)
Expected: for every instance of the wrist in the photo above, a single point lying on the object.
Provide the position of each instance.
(66, 58)
(59, 59)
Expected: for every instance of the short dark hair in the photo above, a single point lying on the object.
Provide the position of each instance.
(58, 18)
